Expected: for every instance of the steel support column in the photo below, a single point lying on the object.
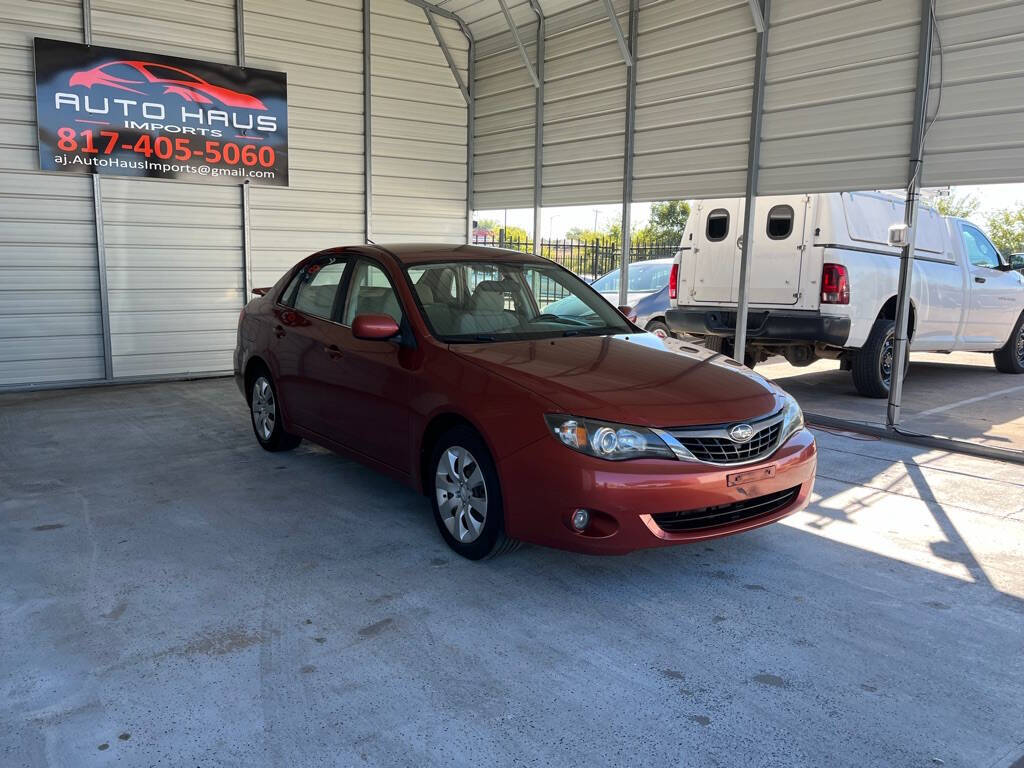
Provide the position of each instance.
(753, 173)
(246, 206)
(910, 210)
(627, 162)
(101, 246)
(367, 125)
(538, 134)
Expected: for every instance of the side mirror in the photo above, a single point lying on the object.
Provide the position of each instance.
(374, 327)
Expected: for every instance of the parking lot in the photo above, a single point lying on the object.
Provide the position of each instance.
(173, 595)
(959, 395)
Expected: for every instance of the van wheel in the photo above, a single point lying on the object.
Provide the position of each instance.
(873, 363)
(466, 496)
(1010, 359)
(724, 346)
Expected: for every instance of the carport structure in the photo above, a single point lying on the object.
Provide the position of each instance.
(406, 115)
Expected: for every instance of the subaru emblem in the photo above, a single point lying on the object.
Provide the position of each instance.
(741, 433)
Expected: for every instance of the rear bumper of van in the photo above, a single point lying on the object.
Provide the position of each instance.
(762, 324)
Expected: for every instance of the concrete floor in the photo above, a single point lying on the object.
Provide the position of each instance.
(172, 595)
(959, 395)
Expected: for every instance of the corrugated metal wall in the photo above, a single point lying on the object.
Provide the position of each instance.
(174, 249)
(50, 327)
(319, 46)
(979, 135)
(419, 128)
(695, 74)
(839, 95)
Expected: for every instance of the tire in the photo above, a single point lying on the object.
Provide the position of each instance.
(1010, 359)
(872, 364)
(659, 329)
(265, 415)
(724, 346)
(462, 471)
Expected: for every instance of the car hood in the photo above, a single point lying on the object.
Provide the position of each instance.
(631, 379)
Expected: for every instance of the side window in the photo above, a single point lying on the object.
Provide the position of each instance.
(316, 287)
(718, 225)
(780, 222)
(371, 293)
(980, 252)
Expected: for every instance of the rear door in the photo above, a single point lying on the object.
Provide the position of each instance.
(780, 240)
(302, 339)
(715, 255)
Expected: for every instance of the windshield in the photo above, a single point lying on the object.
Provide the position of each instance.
(503, 301)
(642, 277)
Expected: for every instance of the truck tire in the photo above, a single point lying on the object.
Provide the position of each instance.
(724, 346)
(1010, 359)
(872, 364)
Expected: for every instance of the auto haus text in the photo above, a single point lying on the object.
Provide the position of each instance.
(153, 116)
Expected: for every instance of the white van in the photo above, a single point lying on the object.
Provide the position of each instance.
(823, 282)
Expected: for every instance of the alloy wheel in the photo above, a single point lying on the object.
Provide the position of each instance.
(264, 409)
(461, 494)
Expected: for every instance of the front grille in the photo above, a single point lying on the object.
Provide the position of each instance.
(723, 514)
(722, 450)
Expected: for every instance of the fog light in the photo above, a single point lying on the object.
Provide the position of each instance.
(580, 519)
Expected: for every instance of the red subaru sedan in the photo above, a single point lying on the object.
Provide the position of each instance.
(518, 400)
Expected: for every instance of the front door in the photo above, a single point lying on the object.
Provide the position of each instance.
(715, 252)
(996, 297)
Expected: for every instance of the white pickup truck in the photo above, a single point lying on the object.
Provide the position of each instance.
(823, 284)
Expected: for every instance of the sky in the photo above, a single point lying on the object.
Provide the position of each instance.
(556, 221)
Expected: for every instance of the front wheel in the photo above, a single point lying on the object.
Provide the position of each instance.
(1010, 359)
(659, 329)
(466, 496)
(266, 416)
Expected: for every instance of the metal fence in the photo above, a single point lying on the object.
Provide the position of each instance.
(587, 258)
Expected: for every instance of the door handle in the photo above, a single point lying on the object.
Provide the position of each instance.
(979, 279)
(279, 331)
(333, 351)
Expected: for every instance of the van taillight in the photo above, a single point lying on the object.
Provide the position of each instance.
(673, 280)
(835, 284)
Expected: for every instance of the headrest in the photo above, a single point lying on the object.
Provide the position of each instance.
(425, 292)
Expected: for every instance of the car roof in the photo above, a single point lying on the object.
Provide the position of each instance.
(419, 253)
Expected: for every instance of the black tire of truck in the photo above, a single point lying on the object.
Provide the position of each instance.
(724, 346)
(1010, 359)
(872, 364)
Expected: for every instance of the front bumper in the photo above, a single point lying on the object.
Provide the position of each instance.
(544, 483)
(762, 325)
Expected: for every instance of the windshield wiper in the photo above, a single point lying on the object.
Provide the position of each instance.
(606, 331)
(483, 338)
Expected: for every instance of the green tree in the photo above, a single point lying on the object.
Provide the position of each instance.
(488, 225)
(961, 206)
(668, 220)
(1006, 228)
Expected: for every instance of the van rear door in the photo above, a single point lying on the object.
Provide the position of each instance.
(780, 243)
(715, 253)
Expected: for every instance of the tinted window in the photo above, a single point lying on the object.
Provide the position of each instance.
(718, 225)
(980, 252)
(371, 293)
(316, 287)
(166, 73)
(780, 222)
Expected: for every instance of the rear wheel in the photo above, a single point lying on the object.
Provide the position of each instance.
(466, 496)
(659, 329)
(266, 416)
(1010, 359)
(873, 364)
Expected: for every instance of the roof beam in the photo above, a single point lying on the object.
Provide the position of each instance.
(609, 9)
(758, 14)
(519, 43)
(448, 56)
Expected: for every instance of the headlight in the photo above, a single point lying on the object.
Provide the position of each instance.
(792, 418)
(606, 440)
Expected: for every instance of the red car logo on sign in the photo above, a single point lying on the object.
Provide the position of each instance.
(147, 78)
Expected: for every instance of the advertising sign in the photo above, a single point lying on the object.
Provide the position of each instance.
(125, 113)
